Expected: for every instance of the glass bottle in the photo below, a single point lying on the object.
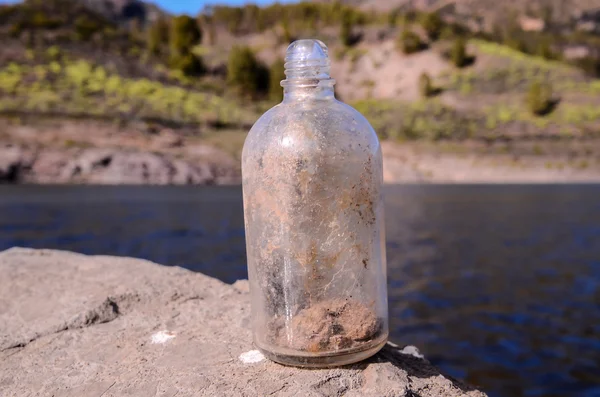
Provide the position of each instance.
(312, 177)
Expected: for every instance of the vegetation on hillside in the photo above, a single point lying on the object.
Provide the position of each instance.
(426, 86)
(60, 57)
(409, 42)
(78, 88)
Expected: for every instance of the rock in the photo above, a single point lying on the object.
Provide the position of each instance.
(13, 162)
(74, 325)
(111, 167)
(107, 166)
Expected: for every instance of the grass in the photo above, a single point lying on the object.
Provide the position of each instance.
(427, 120)
(230, 141)
(513, 71)
(82, 88)
(489, 48)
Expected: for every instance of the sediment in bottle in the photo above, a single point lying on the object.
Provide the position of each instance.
(328, 326)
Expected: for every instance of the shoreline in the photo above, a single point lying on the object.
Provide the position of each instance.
(475, 164)
(60, 153)
(402, 165)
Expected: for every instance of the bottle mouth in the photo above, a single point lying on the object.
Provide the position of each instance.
(307, 64)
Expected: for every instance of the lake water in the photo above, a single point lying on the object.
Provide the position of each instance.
(497, 285)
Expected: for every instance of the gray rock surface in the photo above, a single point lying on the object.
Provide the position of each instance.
(74, 325)
(110, 167)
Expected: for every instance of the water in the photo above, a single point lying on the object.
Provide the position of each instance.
(497, 285)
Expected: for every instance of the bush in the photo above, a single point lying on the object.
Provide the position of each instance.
(276, 75)
(346, 30)
(158, 35)
(410, 42)
(539, 98)
(189, 64)
(287, 33)
(433, 25)
(544, 50)
(53, 53)
(425, 86)
(246, 73)
(40, 20)
(86, 27)
(459, 53)
(184, 35)
(590, 65)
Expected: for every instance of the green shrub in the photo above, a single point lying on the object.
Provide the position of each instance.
(425, 86)
(85, 27)
(590, 65)
(184, 35)
(392, 18)
(276, 75)
(53, 53)
(544, 50)
(287, 33)
(346, 30)
(246, 73)
(158, 35)
(459, 53)
(539, 98)
(516, 43)
(189, 64)
(433, 25)
(40, 20)
(410, 42)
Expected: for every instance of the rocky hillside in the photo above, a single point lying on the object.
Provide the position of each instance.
(561, 9)
(76, 76)
(126, 10)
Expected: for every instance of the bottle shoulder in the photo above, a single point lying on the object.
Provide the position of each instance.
(319, 124)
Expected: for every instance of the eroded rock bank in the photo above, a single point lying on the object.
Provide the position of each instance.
(74, 325)
(109, 166)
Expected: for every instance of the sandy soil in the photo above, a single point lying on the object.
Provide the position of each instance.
(411, 163)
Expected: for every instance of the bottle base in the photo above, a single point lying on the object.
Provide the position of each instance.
(326, 360)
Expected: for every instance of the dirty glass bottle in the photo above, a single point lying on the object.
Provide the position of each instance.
(312, 176)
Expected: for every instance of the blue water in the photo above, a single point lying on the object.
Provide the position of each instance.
(497, 285)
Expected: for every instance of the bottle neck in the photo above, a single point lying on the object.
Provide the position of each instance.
(307, 71)
(310, 90)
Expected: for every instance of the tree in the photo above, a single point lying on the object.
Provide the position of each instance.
(425, 86)
(246, 73)
(189, 64)
(539, 98)
(459, 53)
(433, 25)
(590, 65)
(346, 30)
(85, 27)
(276, 75)
(287, 34)
(393, 18)
(185, 34)
(158, 36)
(410, 42)
(544, 50)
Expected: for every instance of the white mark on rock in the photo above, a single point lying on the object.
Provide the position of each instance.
(412, 351)
(162, 336)
(251, 357)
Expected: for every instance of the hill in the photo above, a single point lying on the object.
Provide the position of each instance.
(176, 83)
(560, 10)
(126, 10)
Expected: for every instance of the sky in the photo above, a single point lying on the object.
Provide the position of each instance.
(190, 6)
(195, 6)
